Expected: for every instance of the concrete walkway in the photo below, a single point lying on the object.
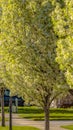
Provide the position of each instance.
(54, 125)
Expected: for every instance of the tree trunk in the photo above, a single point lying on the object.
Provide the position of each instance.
(10, 114)
(47, 122)
(2, 107)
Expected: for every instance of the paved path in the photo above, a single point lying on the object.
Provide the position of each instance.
(54, 125)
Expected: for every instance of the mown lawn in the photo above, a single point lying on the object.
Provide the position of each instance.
(36, 113)
(6, 109)
(19, 128)
(69, 127)
(6, 119)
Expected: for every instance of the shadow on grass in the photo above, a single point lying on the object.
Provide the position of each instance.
(30, 110)
(68, 127)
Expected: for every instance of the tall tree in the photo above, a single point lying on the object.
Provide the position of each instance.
(63, 27)
(28, 47)
(2, 89)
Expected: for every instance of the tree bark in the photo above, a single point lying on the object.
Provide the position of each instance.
(2, 107)
(47, 122)
(10, 114)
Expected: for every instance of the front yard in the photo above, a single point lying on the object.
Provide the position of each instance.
(69, 127)
(36, 113)
(19, 128)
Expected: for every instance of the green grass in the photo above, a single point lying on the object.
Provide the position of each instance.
(19, 128)
(36, 113)
(69, 127)
(6, 119)
(6, 109)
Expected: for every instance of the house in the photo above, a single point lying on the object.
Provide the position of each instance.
(66, 101)
(14, 98)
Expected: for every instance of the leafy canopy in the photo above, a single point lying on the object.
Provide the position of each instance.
(28, 46)
(63, 27)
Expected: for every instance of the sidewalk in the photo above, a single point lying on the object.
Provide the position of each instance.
(54, 125)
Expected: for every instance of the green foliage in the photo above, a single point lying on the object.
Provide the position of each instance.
(28, 48)
(63, 27)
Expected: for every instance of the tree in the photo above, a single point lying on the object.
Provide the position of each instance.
(2, 89)
(63, 27)
(28, 47)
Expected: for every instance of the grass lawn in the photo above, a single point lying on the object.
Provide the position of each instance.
(6, 109)
(19, 128)
(69, 127)
(36, 113)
